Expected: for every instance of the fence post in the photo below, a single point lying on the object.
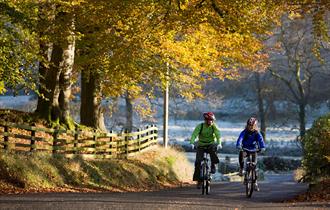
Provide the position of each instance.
(117, 147)
(147, 133)
(147, 127)
(33, 142)
(152, 132)
(110, 146)
(75, 142)
(94, 139)
(6, 137)
(139, 139)
(55, 135)
(126, 143)
(155, 131)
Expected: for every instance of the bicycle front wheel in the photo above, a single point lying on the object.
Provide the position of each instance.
(204, 179)
(249, 183)
(208, 186)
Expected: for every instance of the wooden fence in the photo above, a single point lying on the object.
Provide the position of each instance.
(90, 144)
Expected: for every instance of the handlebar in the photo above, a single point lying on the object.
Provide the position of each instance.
(247, 150)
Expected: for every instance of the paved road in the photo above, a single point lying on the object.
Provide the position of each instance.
(224, 196)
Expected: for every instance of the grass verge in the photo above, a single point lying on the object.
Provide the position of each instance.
(154, 169)
(318, 190)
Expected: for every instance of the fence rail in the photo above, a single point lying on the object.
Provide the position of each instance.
(17, 137)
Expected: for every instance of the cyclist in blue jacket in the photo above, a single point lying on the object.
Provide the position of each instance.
(250, 141)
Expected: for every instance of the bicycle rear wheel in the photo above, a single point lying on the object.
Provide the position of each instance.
(249, 182)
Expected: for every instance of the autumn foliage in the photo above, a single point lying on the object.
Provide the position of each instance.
(316, 143)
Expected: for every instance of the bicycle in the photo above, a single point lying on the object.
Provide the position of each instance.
(250, 175)
(205, 174)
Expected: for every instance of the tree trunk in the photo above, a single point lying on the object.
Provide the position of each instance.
(65, 82)
(302, 98)
(302, 119)
(86, 99)
(46, 48)
(271, 109)
(261, 109)
(87, 107)
(48, 107)
(91, 112)
(129, 112)
(43, 102)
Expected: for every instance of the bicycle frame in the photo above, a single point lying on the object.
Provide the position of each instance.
(250, 173)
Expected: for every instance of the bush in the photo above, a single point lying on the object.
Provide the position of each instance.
(316, 142)
(283, 151)
(279, 164)
(227, 167)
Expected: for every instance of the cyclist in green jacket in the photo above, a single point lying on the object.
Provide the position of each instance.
(208, 138)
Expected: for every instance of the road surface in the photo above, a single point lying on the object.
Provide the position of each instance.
(224, 195)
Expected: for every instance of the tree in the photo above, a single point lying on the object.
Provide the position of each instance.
(318, 11)
(261, 106)
(55, 26)
(91, 112)
(296, 65)
(66, 51)
(135, 40)
(44, 27)
(316, 160)
(18, 62)
(113, 52)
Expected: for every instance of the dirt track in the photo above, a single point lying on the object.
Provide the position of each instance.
(223, 196)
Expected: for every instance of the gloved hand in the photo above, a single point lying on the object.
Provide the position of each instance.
(192, 146)
(262, 149)
(219, 146)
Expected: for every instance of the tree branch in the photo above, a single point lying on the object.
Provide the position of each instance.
(287, 82)
(217, 9)
(299, 82)
(199, 5)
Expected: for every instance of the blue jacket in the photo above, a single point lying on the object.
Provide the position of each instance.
(251, 141)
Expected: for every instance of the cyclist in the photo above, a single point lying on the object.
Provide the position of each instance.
(207, 132)
(249, 142)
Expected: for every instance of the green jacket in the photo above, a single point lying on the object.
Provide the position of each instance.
(207, 135)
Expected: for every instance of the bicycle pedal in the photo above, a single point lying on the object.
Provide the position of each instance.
(256, 187)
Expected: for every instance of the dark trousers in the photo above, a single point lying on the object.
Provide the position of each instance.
(243, 154)
(212, 150)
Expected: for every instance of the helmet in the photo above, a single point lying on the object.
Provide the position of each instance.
(251, 121)
(209, 116)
